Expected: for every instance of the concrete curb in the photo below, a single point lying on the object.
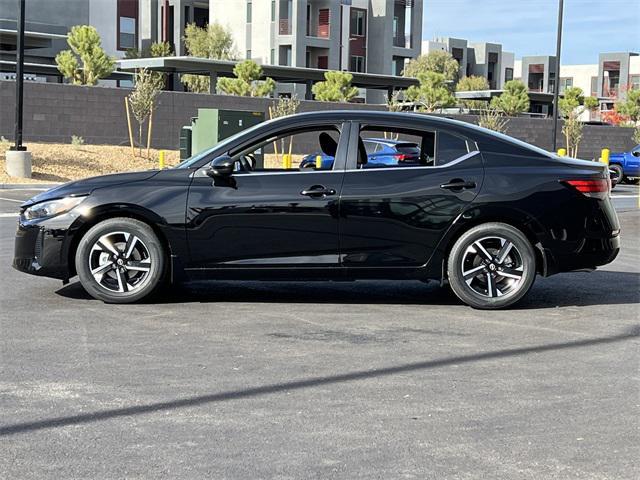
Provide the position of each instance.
(28, 186)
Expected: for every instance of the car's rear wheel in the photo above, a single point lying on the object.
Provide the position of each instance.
(120, 260)
(491, 266)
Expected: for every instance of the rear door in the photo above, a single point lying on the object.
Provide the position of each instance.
(395, 215)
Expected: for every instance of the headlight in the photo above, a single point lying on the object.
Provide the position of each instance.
(51, 208)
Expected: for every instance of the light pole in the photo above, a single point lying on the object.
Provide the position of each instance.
(17, 158)
(556, 86)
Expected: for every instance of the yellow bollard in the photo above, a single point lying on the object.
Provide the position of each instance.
(286, 161)
(161, 160)
(604, 156)
(318, 162)
(562, 152)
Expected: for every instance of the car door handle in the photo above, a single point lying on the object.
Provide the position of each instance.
(457, 184)
(318, 191)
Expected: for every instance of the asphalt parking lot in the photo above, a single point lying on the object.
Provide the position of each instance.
(248, 380)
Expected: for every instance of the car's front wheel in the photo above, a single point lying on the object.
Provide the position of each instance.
(120, 260)
(491, 266)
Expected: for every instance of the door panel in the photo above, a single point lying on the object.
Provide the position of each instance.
(264, 220)
(395, 217)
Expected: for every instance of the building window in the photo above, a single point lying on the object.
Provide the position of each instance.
(358, 22)
(248, 54)
(508, 74)
(357, 63)
(323, 62)
(594, 86)
(566, 82)
(127, 38)
(249, 5)
(272, 56)
(273, 10)
(127, 24)
(634, 82)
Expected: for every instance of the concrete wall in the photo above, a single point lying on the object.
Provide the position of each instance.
(54, 112)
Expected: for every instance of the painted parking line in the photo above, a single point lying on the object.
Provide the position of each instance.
(8, 215)
(12, 200)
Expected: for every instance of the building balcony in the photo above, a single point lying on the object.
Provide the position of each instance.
(402, 41)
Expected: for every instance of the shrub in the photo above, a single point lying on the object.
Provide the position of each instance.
(77, 141)
(432, 93)
(514, 99)
(336, 87)
(493, 120)
(86, 62)
(247, 83)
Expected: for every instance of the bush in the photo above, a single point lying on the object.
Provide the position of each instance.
(336, 87)
(77, 141)
(514, 99)
(86, 62)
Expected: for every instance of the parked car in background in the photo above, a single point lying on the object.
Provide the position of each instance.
(380, 152)
(625, 166)
(480, 211)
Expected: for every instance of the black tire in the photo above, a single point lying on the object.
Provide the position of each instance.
(127, 259)
(503, 274)
(616, 176)
(631, 181)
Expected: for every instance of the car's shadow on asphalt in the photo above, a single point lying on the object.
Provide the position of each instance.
(574, 289)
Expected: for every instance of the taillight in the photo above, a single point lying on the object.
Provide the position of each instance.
(401, 157)
(591, 188)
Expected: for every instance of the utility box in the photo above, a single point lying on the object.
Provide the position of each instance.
(213, 125)
(185, 142)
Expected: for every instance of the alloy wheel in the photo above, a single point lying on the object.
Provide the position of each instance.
(120, 262)
(493, 267)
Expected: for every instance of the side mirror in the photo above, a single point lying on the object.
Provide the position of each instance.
(221, 166)
(636, 153)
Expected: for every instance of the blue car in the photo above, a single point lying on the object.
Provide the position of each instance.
(625, 167)
(381, 152)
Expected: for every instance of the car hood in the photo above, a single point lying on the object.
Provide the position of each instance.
(88, 185)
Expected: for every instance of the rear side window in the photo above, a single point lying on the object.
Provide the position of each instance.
(449, 148)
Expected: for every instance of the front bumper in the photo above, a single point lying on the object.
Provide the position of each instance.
(41, 250)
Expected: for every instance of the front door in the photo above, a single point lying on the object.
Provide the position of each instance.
(394, 213)
(282, 216)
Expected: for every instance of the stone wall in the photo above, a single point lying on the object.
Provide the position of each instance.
(54, 112)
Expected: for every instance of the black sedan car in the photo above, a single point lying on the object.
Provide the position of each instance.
(480, 211)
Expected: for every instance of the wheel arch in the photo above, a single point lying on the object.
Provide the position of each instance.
(528, 225)
(105, 212)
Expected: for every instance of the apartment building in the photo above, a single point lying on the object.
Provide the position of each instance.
(482, 59)
(609, 79)
(374, 36)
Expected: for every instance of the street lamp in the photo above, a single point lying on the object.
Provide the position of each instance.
(556, 86)
(18, 160)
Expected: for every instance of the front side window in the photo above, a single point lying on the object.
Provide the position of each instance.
(399, 147)
(307, 150)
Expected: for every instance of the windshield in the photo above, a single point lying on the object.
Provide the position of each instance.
(195, 158)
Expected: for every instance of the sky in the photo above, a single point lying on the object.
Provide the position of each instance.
(528, 27)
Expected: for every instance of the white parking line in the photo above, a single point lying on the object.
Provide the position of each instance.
(8, 215)
(12, 200)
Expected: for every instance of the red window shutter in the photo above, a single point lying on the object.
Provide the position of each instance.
(323, 22)
(323, 61)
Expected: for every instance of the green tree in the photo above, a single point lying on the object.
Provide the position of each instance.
(246, 83)
(156, 49)
(336, 87)
(571, 106)
(215, 42)
(470, 84)
(630, 107)
(513, 100)
(437, 61)
(432, 93)
(143, 97)
(86, 62)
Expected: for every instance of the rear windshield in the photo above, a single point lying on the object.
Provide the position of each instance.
(408, 148)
